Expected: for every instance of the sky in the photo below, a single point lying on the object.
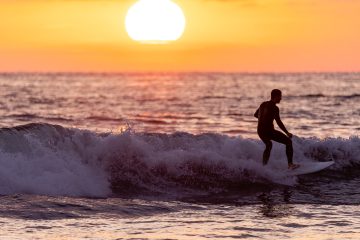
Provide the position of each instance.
(220, 36)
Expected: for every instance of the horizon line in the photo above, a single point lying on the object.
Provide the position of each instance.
(173, 72)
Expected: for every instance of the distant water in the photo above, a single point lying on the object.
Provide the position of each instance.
(314, 105)
(175, 156)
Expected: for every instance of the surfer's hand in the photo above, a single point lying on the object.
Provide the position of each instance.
(289, 134)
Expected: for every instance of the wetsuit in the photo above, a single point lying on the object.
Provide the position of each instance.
(266, 114)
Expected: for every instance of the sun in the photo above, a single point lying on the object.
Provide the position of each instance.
(155, 21)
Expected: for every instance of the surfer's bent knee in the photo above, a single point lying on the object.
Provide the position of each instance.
(268, 144)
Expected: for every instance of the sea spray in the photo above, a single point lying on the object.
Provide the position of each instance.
(53, 160)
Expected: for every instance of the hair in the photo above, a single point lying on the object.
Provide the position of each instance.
(275, 93)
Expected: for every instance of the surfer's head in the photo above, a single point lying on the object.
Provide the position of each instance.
(276, 95)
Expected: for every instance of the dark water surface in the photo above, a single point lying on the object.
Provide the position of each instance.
(175, 156)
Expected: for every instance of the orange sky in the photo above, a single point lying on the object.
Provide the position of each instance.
(221, 35)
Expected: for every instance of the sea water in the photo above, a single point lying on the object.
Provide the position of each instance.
(175, 156)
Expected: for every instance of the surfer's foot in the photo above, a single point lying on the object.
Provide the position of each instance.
(293, 166)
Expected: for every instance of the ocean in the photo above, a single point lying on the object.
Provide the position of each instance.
(176, 156)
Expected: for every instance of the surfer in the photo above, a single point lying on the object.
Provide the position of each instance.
(266, 114)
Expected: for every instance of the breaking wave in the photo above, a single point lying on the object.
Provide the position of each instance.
(53, 160)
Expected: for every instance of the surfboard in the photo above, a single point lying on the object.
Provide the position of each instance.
(309, 167)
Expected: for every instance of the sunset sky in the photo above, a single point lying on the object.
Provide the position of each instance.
(220, 35)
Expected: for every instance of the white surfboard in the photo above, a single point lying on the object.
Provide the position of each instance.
(309, 167)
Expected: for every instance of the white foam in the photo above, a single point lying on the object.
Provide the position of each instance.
(42, 161)
(51, 160)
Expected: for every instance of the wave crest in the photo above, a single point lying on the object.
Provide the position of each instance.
(53, 160)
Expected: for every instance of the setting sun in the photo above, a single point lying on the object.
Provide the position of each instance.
(155, 21)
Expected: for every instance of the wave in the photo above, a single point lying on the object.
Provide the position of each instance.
(53, 160)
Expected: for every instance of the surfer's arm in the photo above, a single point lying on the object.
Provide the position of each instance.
(256, 114)
(281, 124)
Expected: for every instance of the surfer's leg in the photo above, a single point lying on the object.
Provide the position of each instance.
(264, 136)
(267, 152)
(282, 138)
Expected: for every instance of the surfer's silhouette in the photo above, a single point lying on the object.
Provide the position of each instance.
(266, 114)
